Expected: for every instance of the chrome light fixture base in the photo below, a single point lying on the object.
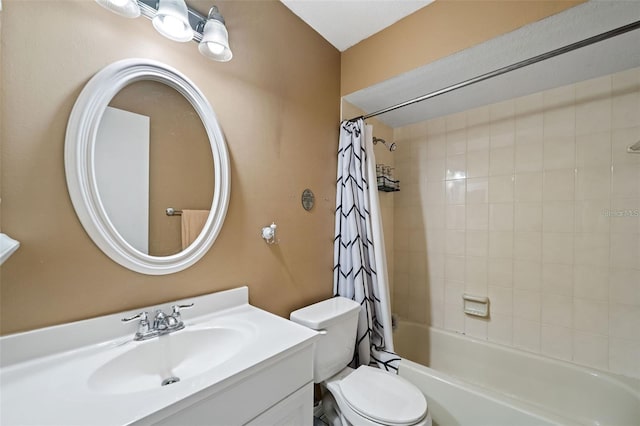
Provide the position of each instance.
(213, 25)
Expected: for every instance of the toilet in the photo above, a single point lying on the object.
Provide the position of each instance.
(366, 396)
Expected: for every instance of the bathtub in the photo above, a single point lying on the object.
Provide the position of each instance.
(474, 382)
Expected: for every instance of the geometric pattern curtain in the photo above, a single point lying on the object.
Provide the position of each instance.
(354, 272)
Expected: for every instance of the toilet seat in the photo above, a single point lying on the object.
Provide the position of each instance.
(383, 397)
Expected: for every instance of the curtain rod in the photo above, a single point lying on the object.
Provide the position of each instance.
(556, 52)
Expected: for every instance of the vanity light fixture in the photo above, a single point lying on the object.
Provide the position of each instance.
(172, 20)
(215, 38)
(126, 8)
(177, 21)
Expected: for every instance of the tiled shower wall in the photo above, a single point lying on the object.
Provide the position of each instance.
(535, 203)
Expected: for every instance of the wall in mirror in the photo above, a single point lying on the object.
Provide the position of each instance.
(180, 171)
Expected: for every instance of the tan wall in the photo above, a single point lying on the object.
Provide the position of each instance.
(436, 31)
(281, 131)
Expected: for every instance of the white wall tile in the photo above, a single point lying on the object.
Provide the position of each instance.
(529, 157)
(526, 334)
(453, 293)
(477, 216)
(501, 189)
(591, 316)
(477, 191)
(456, 167)
(455, 191)
(532, 215)
(557, 279)
(558, 185)
(590, 215)
(501, 161)
(453, 318)
(501, 244)
(528, 187)
(591, 282)
(454, 242)
(501, 300)
(500, 272)
(592, 249)
(454, 268)
(527, 275)
(559, 153)
(527, 246)
(476, 275)
(624, 181)
(477, 243)
(557, 247)
(591, 350)
(527, 304)
(625, 286)
(556, 342)
(624, 356)
(624, 321)
(477, 163)
(456, 142)
(593, 150)
(528, 217)
(475, 327)
(434, 169)
(501, 217)
(625, 250)
(455, 216)
(558, 216)
(500, 329)
(593, 183)
(557, 310)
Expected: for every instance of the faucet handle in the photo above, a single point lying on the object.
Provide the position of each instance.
(142, 315)
(177, 308)
(143, 325)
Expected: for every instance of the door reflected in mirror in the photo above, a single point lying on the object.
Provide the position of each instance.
(152, 152)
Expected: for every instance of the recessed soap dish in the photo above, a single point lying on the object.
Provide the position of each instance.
(476, 305)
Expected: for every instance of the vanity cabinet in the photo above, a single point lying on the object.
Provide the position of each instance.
(276, 392)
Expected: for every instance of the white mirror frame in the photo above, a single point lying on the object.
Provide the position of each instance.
(80, 171)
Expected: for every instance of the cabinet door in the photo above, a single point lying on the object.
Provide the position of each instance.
(295, 410)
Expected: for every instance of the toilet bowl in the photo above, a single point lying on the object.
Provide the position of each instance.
(366, 396)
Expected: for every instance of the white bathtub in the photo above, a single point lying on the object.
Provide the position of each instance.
(473, 382)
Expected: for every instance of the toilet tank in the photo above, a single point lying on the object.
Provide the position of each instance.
(337, 321)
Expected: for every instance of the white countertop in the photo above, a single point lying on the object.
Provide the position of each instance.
(45, 377)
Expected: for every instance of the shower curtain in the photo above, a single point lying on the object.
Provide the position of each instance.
(360, 271)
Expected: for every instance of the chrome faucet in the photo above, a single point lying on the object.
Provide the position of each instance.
(162, 323)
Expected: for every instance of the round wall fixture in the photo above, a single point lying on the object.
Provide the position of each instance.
(308, 199)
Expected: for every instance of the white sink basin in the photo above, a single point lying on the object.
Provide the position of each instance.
(168, 359)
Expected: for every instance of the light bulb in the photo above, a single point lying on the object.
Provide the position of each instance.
(215, 41)
(126, 8)
(172, 21)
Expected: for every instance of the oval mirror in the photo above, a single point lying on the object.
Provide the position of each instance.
(127, 162)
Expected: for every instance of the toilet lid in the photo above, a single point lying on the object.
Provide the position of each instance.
(383, 397)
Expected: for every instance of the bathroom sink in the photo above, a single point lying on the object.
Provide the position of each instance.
(168, 359)
(94, 371)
